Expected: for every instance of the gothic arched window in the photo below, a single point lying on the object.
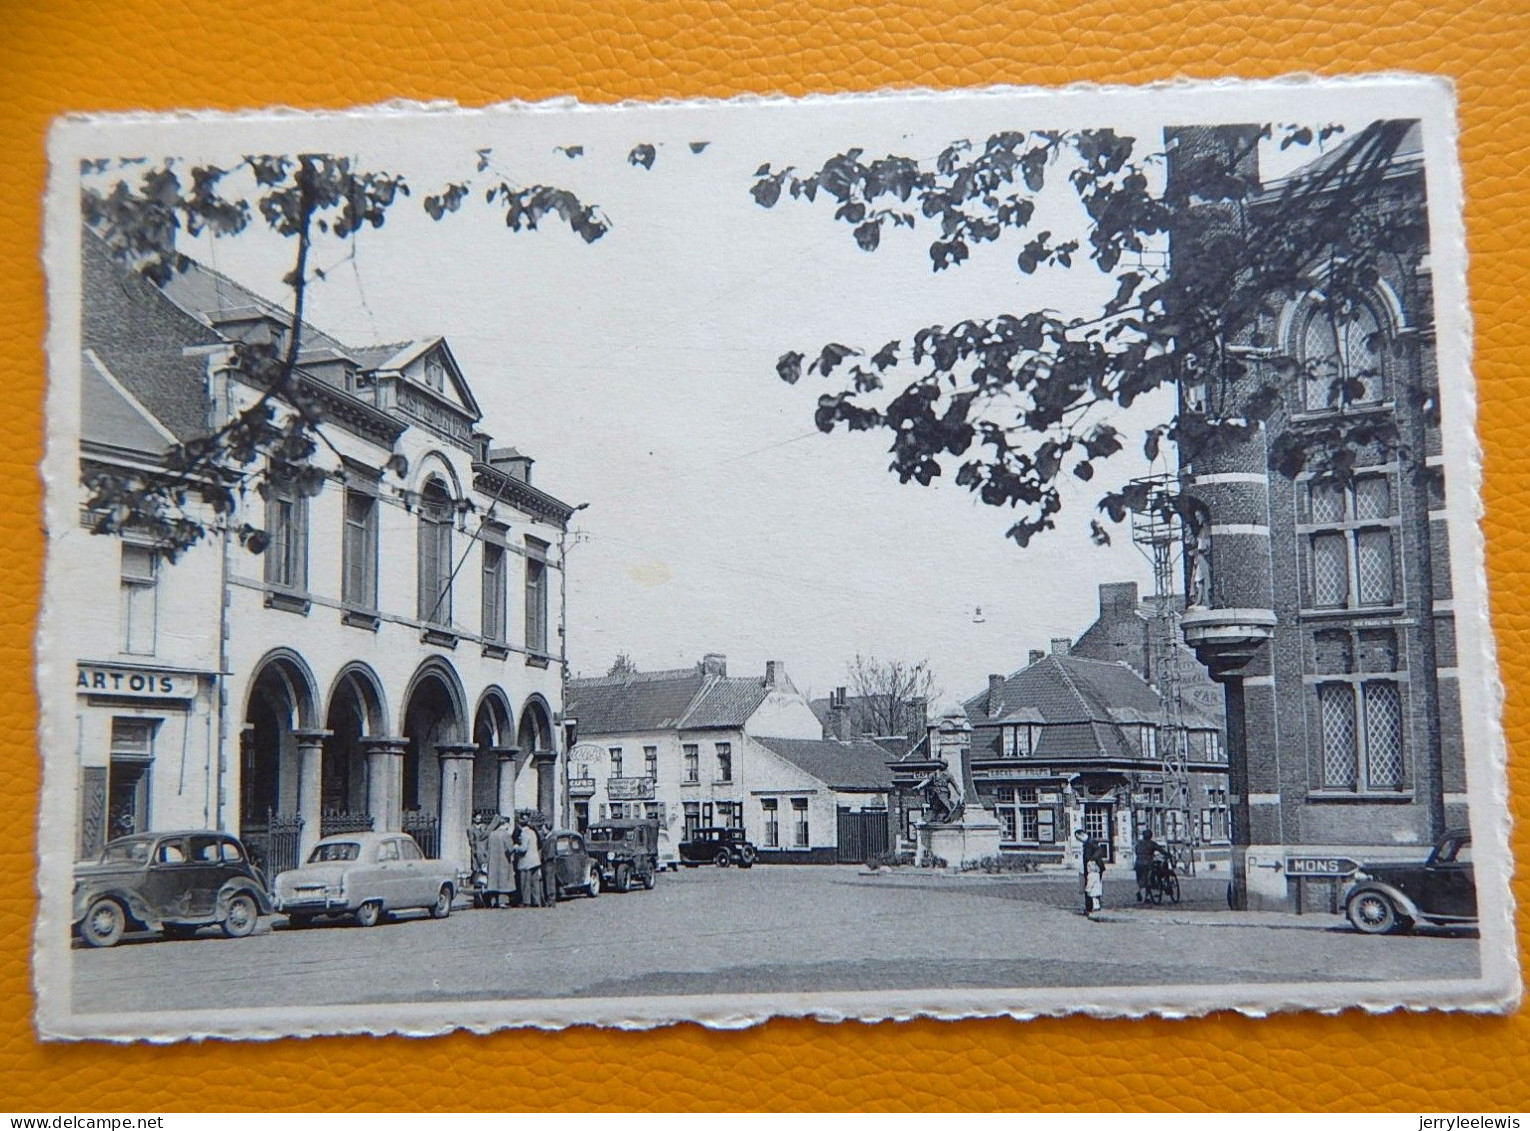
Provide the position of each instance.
(1342, 355)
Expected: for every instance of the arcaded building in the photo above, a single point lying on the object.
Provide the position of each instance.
(392, 660)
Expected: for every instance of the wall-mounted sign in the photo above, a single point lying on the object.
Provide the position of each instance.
(136, 683)
(629, 789)
(1323, 866)
(581, 787)
(1048, 798)
(586, 754)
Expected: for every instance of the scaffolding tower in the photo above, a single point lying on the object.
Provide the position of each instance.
(1156, 533)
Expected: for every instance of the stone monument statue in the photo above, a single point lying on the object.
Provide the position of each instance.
(958, 829)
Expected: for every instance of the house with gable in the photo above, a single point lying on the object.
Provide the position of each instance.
(695, 748)
(1068, 743)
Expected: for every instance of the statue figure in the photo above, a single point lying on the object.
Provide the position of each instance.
(943, 795)
(1198, 560)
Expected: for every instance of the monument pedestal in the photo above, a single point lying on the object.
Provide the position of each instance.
(966, 840)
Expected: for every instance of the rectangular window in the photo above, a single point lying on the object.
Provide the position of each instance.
(1330, 571)
(1017, 741)
(1351, 564)
(724, 762)
(772, 813)
(616, 761)
(651, 762)
(536, 596)
(692, 819)
(730, 814)
(140, 598)
(1336, 712)
(1383, 734)
(800, 822)
(1030, 825)
(1007, 824)
(493, 592)
(692, 763)
(358, 551)
(287, 529)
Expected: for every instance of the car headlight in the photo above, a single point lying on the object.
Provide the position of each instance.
(610, 856)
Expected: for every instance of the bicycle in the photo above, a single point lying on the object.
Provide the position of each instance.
(1163, 880)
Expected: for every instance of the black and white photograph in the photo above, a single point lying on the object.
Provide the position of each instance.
(1010, 552)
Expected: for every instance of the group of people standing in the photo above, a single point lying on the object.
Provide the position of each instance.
(514, 860)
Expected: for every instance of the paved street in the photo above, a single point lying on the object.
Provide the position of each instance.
(765, 930)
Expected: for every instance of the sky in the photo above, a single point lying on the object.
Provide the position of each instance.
(639, 372)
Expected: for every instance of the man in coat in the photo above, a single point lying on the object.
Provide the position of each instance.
(499, 865)
(528, 863)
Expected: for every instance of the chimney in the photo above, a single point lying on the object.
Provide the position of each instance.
(775, 674)
(714, 663)
(995, 696)
(838, 725)
(1061, 645)
(1037, 655)
(1118, 597)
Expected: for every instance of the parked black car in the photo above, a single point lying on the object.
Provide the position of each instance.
(1398, 895)
(573, 868)
(172, 882)
(625, 851)
(718, 846)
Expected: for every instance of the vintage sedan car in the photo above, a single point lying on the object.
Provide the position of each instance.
(368, 875)
(573, 868)
(625, 852)
(718, 846)
(1399, 895)
(171, 882)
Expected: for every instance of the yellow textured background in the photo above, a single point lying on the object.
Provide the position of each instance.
(132, 54)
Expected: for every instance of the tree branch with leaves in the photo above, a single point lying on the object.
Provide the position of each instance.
(1011, 403)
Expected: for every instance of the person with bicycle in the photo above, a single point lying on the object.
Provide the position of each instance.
(1146, 851)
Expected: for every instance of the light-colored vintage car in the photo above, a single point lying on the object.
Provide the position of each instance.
(368, 875)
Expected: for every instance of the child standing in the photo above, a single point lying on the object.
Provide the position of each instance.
(1094, 887)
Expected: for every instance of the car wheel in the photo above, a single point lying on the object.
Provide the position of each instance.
(370, 913)
(650, 878)
(104, 923)
(623, 882)
(242, 915)
(1372, 913)
(592, 882)
(746, 858)
(443, 904)
(722, 859)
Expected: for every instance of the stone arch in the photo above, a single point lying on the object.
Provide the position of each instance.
(535, 732)
(433, 714)
(356, 710)
(493, 731)
(283, 674)
(434, 464)
(281, 706)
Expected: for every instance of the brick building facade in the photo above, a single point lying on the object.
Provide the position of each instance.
(1324, 606)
